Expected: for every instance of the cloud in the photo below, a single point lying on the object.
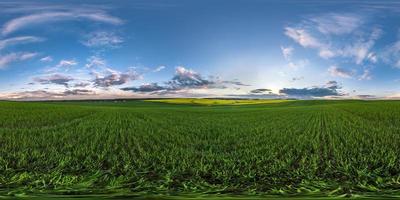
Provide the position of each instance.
(18, 40)
(340, 72)
(112, 78)
(337, 35)
(302, 37)
(287, 52)
(297, 78)
(296, 65)
(391, 54)
(185, 80)
(326, 53)
(78, 92)
(260, 91)
(101, 39)
(366, 75)
(95, 62)
(234, 82)
(81, 84)
(45, 17)
(337, 24)
(66, 63)
(365, 96)
(372, 57)
(57, 79)
(360, 49)
(7, 59)
(329, 89)
(189, 79)
(36, 94)
(332, 85)
(160, 68)
(46, 59)
(46, 95)
(149, 87)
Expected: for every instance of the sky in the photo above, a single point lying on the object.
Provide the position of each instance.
(304, 49)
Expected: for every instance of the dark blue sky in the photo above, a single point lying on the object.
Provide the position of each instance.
(98, 49)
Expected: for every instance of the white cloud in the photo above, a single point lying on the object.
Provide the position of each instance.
(160, 68)
(298, 64)
(287, 52)
(40, 18)
(360, 49)
(326, 53)
(366, 75)
(95, 62)
(66, 63)
(46, 59)
(337, 36)
(7, 59)
(302, 37)
(102, 39)
(337, 24)
(372, 57)
(18, 40)
(391, 54)
(340, 72)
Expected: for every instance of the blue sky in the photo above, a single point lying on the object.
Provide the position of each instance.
(219, 48)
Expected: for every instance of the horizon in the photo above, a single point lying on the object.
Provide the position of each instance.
(81, 50)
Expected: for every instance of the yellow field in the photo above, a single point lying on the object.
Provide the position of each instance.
(210, 102)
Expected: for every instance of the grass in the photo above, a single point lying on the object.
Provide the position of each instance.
(281, 149)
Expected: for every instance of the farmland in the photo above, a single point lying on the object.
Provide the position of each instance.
(280, 149)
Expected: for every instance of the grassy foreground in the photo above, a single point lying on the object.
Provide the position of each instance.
(284, 149)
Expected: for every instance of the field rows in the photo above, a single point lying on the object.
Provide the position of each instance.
(306, 148)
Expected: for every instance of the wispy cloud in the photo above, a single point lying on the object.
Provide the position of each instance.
(337, 24)
(340, 72)
(46, 95)
(159, 68)
(296, 65)
(337, 35)
(66, 63)
(95, 62)
(391, 54)
(366, 75)
(46, 59)
(7, 59)
(46, 17)
(303, 37)
(18, 40)
(360, 49)
(102, 39)
(287, 52)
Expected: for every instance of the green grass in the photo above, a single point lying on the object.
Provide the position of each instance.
(284, 149)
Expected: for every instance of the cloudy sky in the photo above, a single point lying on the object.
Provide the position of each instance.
(208, 48)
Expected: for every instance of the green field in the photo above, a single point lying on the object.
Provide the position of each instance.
(138, 148)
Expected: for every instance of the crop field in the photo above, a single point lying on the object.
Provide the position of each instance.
(280, 149)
